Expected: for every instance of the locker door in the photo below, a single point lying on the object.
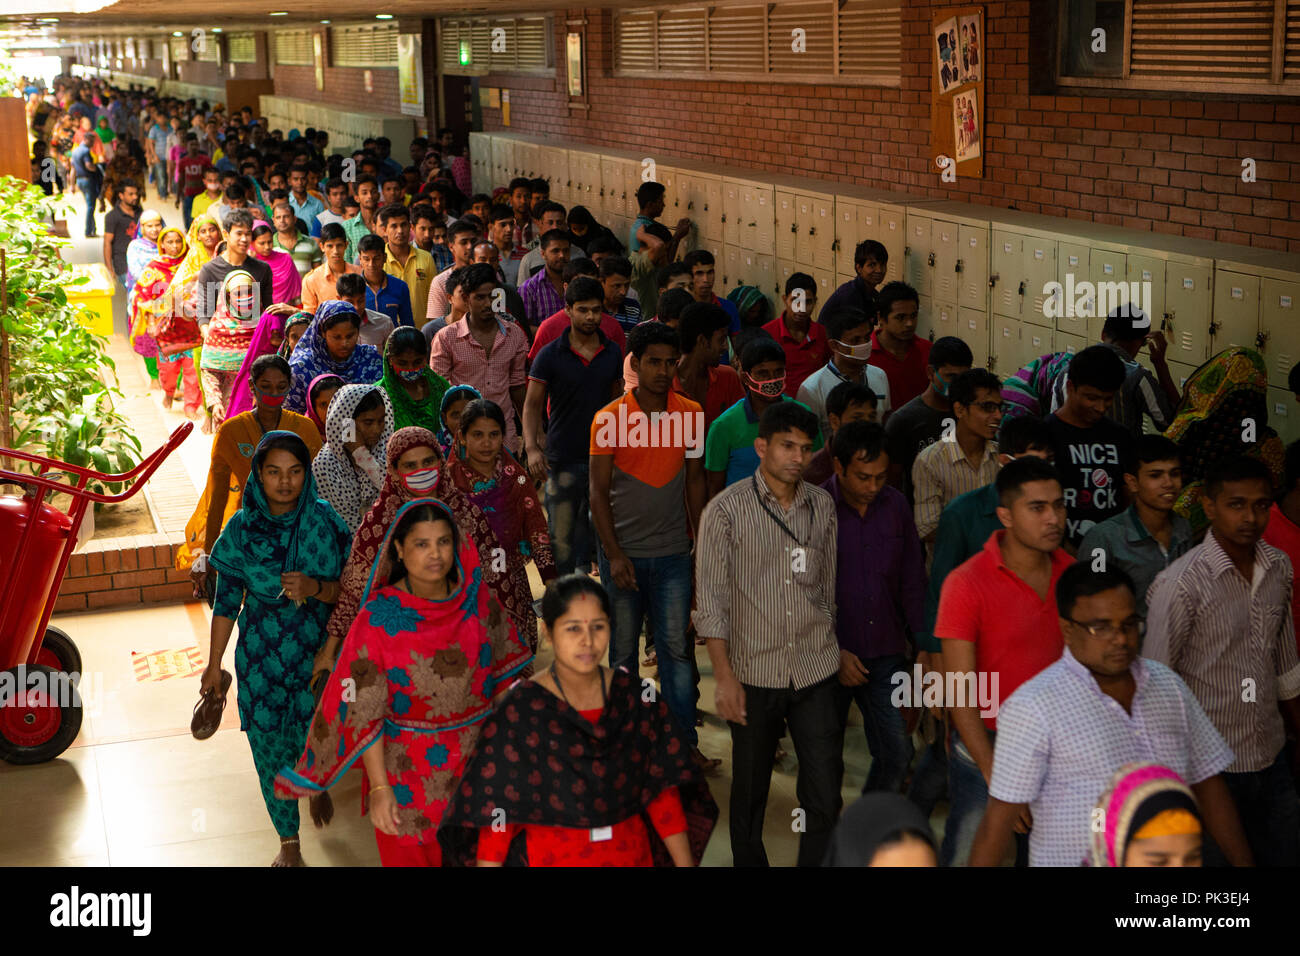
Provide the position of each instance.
(1278, 328)
(1040, 270)
(526, 154)
(804, 253)
(972, 267)
(713, 205)
(973, 328)
(821, 234)
(1284, 414)
(612, 174)
(765, 274)
(1004, 344)
(1186, 316)
(1071, 269)
(674, 207)
(847, 235)
(891, 231)
(784, 270)
(732, 206)
(591, 197)
(925, 317)
(918, 256)
(787, 225)
(502, 160)
(943, 237)
(1181, 373)
(733, 266)
(1108, 272)
(1149, 274)
(826, 284)
(763, 223)
(631, 183)
(1067, 342)
(1236, 310)
(1036, 340)
(1008, 265)
(946, 322)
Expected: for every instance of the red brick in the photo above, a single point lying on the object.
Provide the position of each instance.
(69, 602)
(167, 593)
(89, 583)
(76, 566)
(135, 579)
(116, 598)
(130, 560)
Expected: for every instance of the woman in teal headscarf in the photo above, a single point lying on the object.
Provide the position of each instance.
(752, 305)
(278, 563)
(454, 401)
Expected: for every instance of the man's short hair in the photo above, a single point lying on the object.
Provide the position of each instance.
(1022, 434)
(237, 217)
(800, 280)
(839, 321)
(425, 211)
(519, 182)
(857, 438)
(1126, 323)
(785, 416)
(698, 257)
(1016, 474)
(478, 274)
(651, 333)
(761, 350)
(892, 292)
(583, 289)
(666, 274)
(350, 285)
(394, 210)
(968, 384)
(1235, 468)
(234, 192)
(552, 237)
(500, 212)
(950, 350)
(603, 245)
(370, 243)
(332, 231)
(647, 193)
(847, 394)
(460, 228)
(615, 265)
(1097, 366)
(1152, 448)
(1081, 581)
(870, 249)
(697, 319)
(581, 267)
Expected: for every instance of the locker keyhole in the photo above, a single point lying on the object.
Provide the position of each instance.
(932, 259)
(993, 280)
(957, 267)
(794, 227)
(1022, 289)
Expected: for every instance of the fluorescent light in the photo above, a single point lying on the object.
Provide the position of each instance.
(383, 16)
(177, 33)
(47, 19)
(216, 29)
(279, 13)
(324, 21)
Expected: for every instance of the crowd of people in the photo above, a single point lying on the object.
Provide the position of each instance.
(1061, 603)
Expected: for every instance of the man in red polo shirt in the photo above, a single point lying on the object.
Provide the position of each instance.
(895, 348)
(553, 326)
(997, 621)
(806, 346)
(703, 328)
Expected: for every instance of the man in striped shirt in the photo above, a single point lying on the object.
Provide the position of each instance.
(1220, 616)
(765, 592)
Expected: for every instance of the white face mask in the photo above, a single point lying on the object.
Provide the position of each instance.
(859, 352)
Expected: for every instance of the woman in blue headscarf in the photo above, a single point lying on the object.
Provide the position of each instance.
(330, 346)
(278, 563)
(454, 401)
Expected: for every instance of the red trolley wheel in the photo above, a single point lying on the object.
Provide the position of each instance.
(40, 714)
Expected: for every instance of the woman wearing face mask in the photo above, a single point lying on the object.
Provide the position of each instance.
(277, 564)
(229, 335)
(286, 284)
(357, 428)
(414, 389)
(416, 678)
(501, 488)
(267, 339)
(156, 330)
(580, 766)
(330, 345)
(1150, 819)
(232, 455)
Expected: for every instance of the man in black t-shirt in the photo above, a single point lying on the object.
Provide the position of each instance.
(918, 423)
(121, 226)
(1090, 450)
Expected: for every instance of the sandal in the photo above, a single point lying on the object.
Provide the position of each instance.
(208, 711)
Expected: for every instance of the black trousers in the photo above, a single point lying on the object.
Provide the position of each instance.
(814, 723)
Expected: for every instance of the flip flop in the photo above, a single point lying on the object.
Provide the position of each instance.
(207, 712)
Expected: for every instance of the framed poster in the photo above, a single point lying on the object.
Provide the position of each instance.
(966, 125)
(410, 77)
(957, 94)
(573, 49)
(318, 58)
(945, 55)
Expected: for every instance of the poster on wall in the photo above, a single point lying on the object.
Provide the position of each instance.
(966, 125)
(574, 58)
(410, 78)
(318, 59)
(946, 55)
(970, 48)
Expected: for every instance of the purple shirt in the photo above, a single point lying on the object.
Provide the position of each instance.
(880, 574)
(541, 301)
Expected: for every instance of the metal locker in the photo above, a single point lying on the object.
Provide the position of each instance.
(480, 161)
(1040, 272)
(972, 267)
(1071, 270)
(784, 270)
(591, 184)
(719, 252)
(891, 231)
(786, 211)
(684, 205)
(732, 211)
(821, 233)
(1149, 274)
(1181, 372)
(1068, 342)
(713, 205)
(526, 155)
(760, 201)
(847, 235)
(1108, 271)
(674, 208)
(804, 253)
(765, 274)
(1236, 310)
(946, 322)
(926, 317)
(1284, 414)
(972, 327)
(918, 255)
(1279, 328)
(1036, 340)
(943, 243)
(733, 268)
(1186, 316)
(826, 284)
(502, 160)
(1007, 263)
(631, 183)
(1004, 344)
(613, 175)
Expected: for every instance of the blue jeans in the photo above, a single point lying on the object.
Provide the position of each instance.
(930, 779)
(968, 795)
(664, 592)
(187, 207)
(159, 170)
(89, 187)
(1270, 814)
(568, 511)
(887, 737)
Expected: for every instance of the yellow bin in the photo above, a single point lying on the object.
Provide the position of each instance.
(96, 295)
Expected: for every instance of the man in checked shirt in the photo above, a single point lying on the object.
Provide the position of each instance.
(765, 592)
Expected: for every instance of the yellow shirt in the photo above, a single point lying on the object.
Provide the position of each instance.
(201, 203)
(418, 275)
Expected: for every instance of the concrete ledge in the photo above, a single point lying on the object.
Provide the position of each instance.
(125, 572)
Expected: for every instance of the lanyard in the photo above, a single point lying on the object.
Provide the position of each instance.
(772, 514)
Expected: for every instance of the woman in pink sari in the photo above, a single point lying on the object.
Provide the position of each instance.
(286, 283)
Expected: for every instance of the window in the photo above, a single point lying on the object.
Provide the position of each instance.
(1211, 46)
(802, 41)
(180, 48)
(476, 47)
(294, 47)
(242, 48)
(368, 45)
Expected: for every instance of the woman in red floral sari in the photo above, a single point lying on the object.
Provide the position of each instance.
(414, 681)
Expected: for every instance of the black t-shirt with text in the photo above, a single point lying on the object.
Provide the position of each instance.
(1091, 463)
(123, 228)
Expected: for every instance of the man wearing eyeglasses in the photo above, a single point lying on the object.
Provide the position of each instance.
(1064, 733)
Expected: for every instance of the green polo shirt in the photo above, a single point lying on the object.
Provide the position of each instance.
(964, 528)
(355, 229)
(306, 253)
(1127, 545)
(729, 445)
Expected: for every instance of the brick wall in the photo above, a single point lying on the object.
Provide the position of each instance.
(345, 86)
(122, 572)
(1169, 163)
(200, 72)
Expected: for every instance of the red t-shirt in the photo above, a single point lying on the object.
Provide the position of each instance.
(801, 358)
(192, 173)
(1016, 633)
(553, 327)
(907, 377)
(725, 390)
(1283, 534)
(628, 844)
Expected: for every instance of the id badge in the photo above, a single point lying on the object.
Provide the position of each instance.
(600, 834)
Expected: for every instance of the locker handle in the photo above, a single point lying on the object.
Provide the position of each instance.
(753, 224)
(724, 219)
(835, 246)
(691, 204)
(812, 231)
(993, 279)
(794, 227)
(1167, 322)
(1022, 288)
(932, 260)
(957, 267)
(1261, 340)
(1214, 327)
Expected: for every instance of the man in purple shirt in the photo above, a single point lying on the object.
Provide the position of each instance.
(543, 294)
(880, 598)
